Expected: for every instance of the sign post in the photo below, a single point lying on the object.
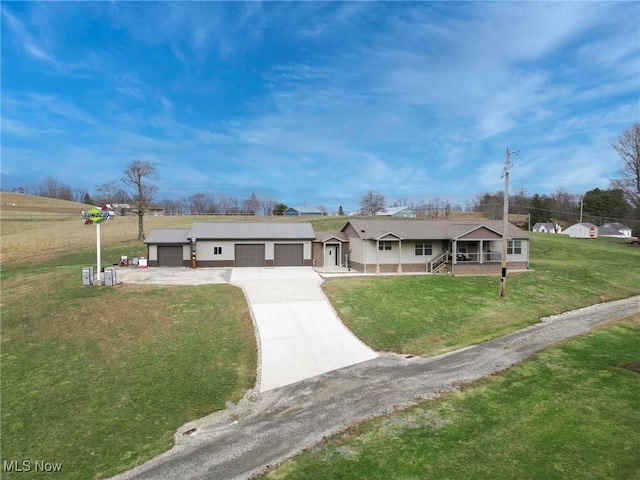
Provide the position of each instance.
(97, 216)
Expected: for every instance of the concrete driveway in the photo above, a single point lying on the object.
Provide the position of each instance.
(300, 336)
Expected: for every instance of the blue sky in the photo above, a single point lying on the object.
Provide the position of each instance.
(317, 103)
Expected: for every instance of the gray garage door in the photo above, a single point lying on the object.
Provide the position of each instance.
(289, 255)
(169, 256)
(250, 255)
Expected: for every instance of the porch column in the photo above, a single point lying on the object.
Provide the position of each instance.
(399, 256)
(454, 257)
(377, 255)
(481, 251)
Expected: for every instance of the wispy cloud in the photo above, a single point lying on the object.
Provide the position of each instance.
(24, 40)
(323, 100)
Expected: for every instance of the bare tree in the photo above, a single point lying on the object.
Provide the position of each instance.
(137, 177)
(251, 204)
(81, 194)
(268, 205)
(372, 203)
(53, 188)
(628, 148)
(171, 206)
(229, 205)
(111, 192)
(201, 203)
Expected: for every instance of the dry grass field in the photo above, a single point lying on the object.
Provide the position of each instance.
(36, 228)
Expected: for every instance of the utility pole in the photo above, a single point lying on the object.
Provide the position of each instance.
(505, 223)
(581, 205)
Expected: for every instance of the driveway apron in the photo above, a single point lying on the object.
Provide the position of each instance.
(299, 332)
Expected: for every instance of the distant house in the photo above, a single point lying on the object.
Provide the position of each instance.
(303, 211)
(402, 212)
(120, 208)
(582, 230)
(519, 220)
(547, 228)
(614, 230)
(156, 210)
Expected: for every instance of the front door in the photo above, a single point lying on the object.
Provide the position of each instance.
(331, 255)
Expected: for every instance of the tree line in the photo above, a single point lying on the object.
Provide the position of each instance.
(620, 202)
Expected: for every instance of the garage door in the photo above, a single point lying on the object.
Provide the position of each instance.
(169, 256)
(251, 255)
(289, 255)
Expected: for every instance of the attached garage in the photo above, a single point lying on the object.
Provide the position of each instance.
(233, 244)
(170, 256)
(250, 255)
(289, 255)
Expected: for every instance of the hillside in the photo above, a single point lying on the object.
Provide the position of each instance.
(19, 202)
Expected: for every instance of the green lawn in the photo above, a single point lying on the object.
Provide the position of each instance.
(426, 315)
(99, 378)
(573, 411)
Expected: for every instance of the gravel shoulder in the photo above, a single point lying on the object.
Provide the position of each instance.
(265, 429)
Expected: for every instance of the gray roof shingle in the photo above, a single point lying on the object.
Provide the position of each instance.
(429, 229)
(251, 231)
(168, 235)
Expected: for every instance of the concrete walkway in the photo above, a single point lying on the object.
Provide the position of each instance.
(300, 334)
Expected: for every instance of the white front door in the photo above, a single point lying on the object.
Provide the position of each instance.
(330, 255)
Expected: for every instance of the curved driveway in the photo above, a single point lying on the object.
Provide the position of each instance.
(299, 332)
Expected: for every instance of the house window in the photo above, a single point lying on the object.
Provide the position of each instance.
(423, 249)
(384, 245)
(217, 250)
(514, 247)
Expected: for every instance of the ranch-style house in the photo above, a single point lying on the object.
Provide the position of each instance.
(364, 245)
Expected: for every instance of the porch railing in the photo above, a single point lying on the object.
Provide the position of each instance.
(487, 257)
(439, 263)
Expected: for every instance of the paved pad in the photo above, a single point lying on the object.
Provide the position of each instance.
(300, 334)
(172, 275)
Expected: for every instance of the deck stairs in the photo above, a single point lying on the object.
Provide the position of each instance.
(439, 263)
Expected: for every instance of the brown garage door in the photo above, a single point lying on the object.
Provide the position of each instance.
(250, 255)
(289, 255)
(169, 256)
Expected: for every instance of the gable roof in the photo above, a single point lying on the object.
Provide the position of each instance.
(616, 226)
(431, 229)
(251, 231)
(327, 236)
(543, 224)
(583, 224)
(609, 232)
(305, 210)
(393, 210)
(168, 235)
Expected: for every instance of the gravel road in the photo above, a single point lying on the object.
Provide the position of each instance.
(264, 429)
